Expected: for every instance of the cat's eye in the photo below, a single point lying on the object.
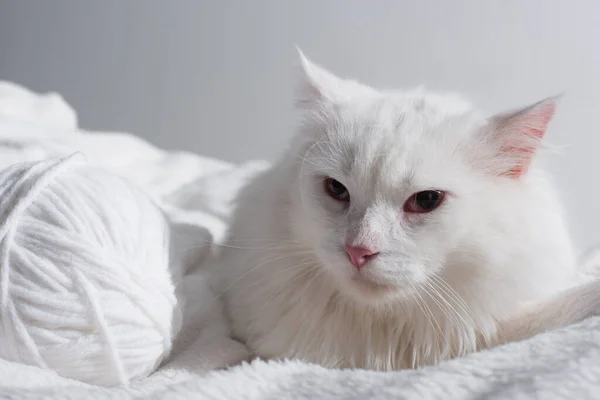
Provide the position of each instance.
(424, 202)
(336, 190)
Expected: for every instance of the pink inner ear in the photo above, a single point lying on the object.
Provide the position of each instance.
(538, 121)
(533, 125)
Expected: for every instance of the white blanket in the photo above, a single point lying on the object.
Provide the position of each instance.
(196, 192)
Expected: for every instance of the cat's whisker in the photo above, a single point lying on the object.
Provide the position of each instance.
(251, 270)
(282, 271)
(319, 272)
(436, 329)
(438, 280)
(415, 299)
(245, 244)
(223, 245)
(446, 343)
(277, 245)
(312, 172)
(460, 302)
(447, 310)
(458, 322)
(309, 283)
(431, 318)
(302, 194)
(305, 271)
(301, 249)
(262, 240)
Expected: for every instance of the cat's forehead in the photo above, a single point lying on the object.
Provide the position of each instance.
(396, 139)
(400, 123)
(406, 109)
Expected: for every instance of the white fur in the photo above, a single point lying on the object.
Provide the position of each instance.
(444, 281)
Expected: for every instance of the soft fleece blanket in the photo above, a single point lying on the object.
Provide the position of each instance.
(195, 192)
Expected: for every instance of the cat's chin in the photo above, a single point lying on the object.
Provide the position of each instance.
(369, 286)
(367, 290)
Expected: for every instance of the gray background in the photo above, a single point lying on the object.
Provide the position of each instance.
(217, 77)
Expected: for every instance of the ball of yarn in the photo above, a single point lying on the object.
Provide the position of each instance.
(85, 286)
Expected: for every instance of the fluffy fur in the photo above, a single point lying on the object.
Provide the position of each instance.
(445, 283)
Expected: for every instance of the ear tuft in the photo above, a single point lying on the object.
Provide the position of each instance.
(314, 83)
(304, 62)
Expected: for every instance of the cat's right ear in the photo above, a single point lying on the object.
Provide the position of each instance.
(517, 135)
(317, 85)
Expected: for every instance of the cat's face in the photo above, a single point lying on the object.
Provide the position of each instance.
(390, 186)
(382, 196)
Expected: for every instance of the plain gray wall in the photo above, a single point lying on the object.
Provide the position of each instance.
(216, 77)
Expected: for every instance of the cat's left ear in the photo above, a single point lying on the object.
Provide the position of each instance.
(317, 85)
(320, 87)
(518, 135)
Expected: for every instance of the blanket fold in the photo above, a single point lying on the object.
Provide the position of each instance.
(196, 193)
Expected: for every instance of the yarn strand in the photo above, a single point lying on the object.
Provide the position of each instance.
(87, 292)
(85, 284)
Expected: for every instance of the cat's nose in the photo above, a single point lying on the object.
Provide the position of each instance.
(359, 256)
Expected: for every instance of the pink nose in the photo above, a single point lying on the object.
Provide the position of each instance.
(359, 255)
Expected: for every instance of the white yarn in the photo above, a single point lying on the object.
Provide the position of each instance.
(85, 288)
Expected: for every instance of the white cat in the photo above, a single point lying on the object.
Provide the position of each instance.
(400, 229)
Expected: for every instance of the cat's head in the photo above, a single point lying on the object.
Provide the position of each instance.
(390, 186)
